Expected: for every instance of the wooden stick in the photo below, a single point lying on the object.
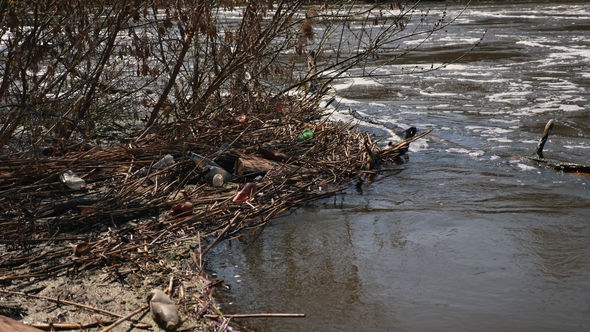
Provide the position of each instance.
(170, 285)
(62, 301)
(397, 146)
(200, 263)
(66, 326)
(229, 224)
(546, 132)
(122, 319)
(204, 308)
(254, 315)
(225, 324)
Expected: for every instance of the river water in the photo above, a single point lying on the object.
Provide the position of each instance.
(469, 236)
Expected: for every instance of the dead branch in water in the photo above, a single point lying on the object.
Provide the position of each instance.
(543, 139)
(556, 165)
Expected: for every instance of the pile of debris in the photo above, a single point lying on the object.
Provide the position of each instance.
(143, 214)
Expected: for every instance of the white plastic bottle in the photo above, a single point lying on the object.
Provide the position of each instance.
(167, 161)
(72, 180)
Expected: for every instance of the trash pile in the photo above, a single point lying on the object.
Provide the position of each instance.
(83, 208)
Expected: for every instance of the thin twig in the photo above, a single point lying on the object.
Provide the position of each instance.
(62, 301)
(253, 315)
(229, 224)
(170, 285)
(66, 326)
(122, 319)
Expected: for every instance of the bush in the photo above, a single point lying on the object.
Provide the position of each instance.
(112, 70)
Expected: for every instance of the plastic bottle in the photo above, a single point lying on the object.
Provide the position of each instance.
(163, 310)
(212, 171)
(72, 180)
(201, 161)
(167, 161)
(222, 149)
(306, 134)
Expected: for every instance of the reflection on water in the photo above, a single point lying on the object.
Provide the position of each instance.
(469, 236)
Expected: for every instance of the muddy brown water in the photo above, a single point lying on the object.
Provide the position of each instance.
(468, 236)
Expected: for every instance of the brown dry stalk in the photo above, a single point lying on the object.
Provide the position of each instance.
(67, 326)
(254, 315)
(122, 319)
(58, 300)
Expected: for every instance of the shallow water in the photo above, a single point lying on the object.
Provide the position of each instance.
(468, 236)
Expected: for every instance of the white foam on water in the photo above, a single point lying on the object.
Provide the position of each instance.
(458, 150)
(526, 167)
(339, 116)
(504, 120)
(447, 41)
(541, 107)
(508, 97)
(476, 153)
(419, 145)
(348, 83)
(564, 56)
(575, 147)
(439, 94)
(530, 43)
(381, 70)
(565, 85)
(461, 72)
(380, 105)
(365, 81)
(500, 147)
(486, 81)
(579, 98)
(500, 139)
(569, 52)
(488, 130)
(570, 108)
(346, 101)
